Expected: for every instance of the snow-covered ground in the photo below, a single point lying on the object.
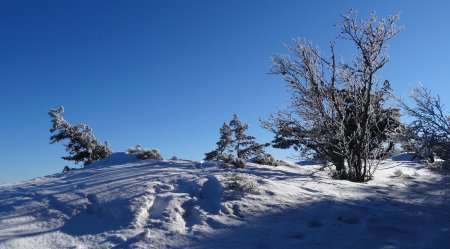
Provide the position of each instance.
(124, 202)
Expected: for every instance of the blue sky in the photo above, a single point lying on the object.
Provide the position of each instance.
(166, 74)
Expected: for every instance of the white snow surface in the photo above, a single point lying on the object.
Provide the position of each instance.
(124, 202)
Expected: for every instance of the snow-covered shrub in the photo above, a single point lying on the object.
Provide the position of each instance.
(137, 149)
(241, 183)
(231, 160)
(151, 154)
(398, 173)
(238, 163)
(82, 145)
(174, 158)
(266, 159)
(145, 153)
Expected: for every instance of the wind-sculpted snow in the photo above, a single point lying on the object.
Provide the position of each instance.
(124, 202)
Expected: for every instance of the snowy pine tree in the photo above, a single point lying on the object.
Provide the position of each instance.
(225, 141)
(244, 145)
(224, 145)
(234, 142)
(82, 145)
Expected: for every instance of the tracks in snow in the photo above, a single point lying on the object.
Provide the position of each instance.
(178, 206)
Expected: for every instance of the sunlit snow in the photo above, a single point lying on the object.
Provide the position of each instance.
(124, 202)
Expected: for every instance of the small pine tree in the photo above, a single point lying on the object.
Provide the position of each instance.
(225, 140)
(245, 145)
(224, 145)
(82, 145)
(234, 140)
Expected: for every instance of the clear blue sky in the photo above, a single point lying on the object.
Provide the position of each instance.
(166, 74)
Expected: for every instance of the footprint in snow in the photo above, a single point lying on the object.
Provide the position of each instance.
(191, 213)
(159, 206)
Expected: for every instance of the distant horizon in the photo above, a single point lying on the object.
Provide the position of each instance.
(167, 75)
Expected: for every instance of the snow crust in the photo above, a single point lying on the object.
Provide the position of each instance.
(124, 202)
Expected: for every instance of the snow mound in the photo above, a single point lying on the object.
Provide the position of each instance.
(124, 202)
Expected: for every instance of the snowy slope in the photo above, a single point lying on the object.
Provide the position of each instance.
(124, 202)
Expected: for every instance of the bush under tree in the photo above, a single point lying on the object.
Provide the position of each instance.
(266, 159)
(82, 145)
(338, 110)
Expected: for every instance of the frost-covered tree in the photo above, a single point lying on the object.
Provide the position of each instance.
(338, 109)
(234, 142)
(82, 146)
(224, 145)
(428, 135)
(244, 145)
